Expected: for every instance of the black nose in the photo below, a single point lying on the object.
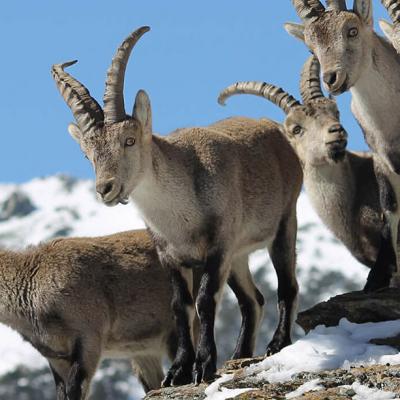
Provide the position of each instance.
(336, 128)
(105, 187)
(330, 77)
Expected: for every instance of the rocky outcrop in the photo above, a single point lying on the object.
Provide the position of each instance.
(357, 307)
(334, 385)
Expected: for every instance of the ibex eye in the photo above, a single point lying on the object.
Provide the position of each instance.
(297, 130)
(130, 141)
(353, 32)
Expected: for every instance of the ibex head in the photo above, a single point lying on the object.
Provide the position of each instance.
(340, 39)
(392, 31)
(314, 128)
(117, 144)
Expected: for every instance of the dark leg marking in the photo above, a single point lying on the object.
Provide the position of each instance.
(283, 259)
(180, 372)
(77, 373)
(245, 344)
(386, 262)
(206, 357)
(61, 393)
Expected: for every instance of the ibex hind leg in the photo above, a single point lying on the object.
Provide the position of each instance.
(251, 303)
(60, 369)
(84, 361)
(283, 255)
(148, 369)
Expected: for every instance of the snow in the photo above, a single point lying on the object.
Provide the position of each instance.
(326, 348)
(215, 392)
(363, 392)
(310, 386)
(60, 205)
(15, 351)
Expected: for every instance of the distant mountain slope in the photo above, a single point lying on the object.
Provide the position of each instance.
(63, 206)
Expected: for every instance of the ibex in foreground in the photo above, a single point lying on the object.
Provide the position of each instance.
(341, 184)
(209, 195)
(79, 300)
(353, 57)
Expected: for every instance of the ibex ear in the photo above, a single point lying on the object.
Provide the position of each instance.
(75, 132)
(387, 29)
(142, 111)
(296, 30)
(363, 8)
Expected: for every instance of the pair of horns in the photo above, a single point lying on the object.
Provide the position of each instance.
(310, 88)
(307, 9)
(393, 8)
(85, 108)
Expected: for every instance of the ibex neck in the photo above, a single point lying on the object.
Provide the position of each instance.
(376, 100)
(165, 195)
(330, 189)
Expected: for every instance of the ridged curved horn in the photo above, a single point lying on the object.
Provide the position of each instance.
(114, 108)
(307, 9)
(393, 7)
(310, 82)
(272, 93)
(336, 5)
(86, 110)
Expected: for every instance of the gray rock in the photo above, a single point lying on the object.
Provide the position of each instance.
(18, 204)
(357, 307)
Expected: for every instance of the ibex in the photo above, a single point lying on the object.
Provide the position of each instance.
(392, 31)
(353, 57)
(341, 184)
(209, 196)
(79, 300)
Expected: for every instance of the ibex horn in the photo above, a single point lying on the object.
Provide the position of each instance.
(272, 93)
(310, 82)
(393, 7)
(86, 110)
(114, 108)
(307, 9)
(336, 5)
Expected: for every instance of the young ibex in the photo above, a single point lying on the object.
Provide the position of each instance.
(341, 184)
(79, 300)
(209, 195)
(353, 57)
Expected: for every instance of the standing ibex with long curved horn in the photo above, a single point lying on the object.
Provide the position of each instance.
(353, 57)
(341, 184)
(209, 195)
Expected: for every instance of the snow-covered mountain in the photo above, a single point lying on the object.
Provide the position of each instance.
(63, 206)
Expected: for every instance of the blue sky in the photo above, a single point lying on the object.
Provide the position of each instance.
(194, 49)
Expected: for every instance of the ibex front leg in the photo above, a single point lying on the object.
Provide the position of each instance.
(215, 274)
(386, 261)
(283, 256)
(180, 372)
